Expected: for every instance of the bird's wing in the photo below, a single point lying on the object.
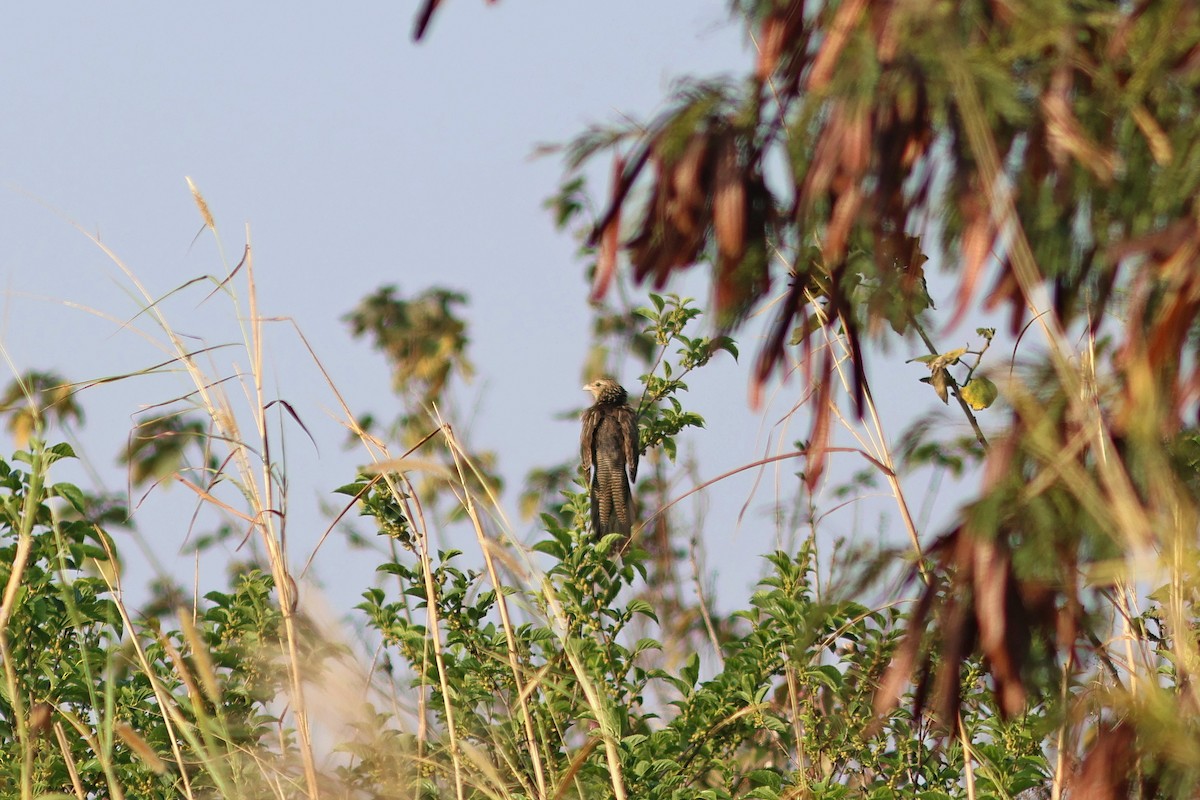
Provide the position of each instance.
(591, 418)
(629, 435)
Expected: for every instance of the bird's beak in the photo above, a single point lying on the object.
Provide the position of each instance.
(586, 388)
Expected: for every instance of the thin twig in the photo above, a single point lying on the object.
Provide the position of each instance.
(702, 603)
(758, 463)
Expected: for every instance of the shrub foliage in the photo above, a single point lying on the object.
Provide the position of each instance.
(1043, 645)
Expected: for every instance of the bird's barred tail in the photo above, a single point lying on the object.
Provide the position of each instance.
(612, 502)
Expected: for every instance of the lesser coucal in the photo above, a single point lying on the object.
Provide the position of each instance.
(608, 447)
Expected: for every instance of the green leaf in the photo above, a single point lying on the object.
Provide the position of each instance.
(690, 673)
(646, 644)
(727, 344)
(60, 450)
(763, 792)
(609, 541)
(643, 608)
(72, 494)
(829, 675)
(765, 777)
(550, 547)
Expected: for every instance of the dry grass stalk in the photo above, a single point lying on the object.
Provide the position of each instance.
(514, 657)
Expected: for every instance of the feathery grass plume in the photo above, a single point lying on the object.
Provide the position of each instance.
(201, 204)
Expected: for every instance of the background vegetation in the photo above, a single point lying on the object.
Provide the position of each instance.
(1045, 646)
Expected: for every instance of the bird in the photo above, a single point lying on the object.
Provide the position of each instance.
(608, 448)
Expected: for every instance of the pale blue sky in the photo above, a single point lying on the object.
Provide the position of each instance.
(357, 158)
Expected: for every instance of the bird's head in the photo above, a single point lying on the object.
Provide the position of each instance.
(606, 391)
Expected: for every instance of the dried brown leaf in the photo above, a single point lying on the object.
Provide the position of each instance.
(900, 672)
(841, 309)
(141, 747)
(1188, 64)
(424, 17)
(886, 28)
(672, 233)
(1156, 137)
(606, 260)
(606, 256)
(1007, 290)
(651, 251)
(1001, 638)
(621, 188)
(1002, 11)
(1106, 769)
(1156, 246)
(842, 25)
(1118, 43)
(856, 151)
(729, 203)
(978, 236)
(845, 212)
(738, 284)
(1169, 331)
(770, 45)
(958, 641)
(781, 31)
(817, 452)
(1065, 137)
(773, 348)
(826, 156)
(689, 178)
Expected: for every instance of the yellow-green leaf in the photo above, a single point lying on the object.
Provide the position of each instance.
(941, 360)
(948, 358)
(979, 393)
